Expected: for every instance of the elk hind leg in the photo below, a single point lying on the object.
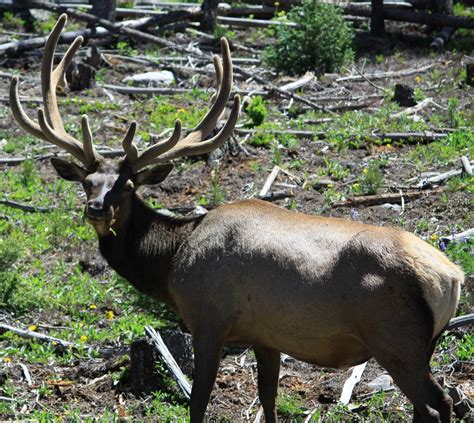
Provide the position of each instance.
(268, 366)
(413, 376)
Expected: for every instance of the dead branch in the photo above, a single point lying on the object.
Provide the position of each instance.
(169, 361)
(403, 15)
(268, 183)
(29, 334)
(299, 83)
(466, 165)
(460, 321)
(459, 237)
(26, 208)
(382, 75)
(174, 16)
(426, 183)
(283, 93)
(424, 136)
(374, 200)
(351, 382)
(13, 161)
(16, 47)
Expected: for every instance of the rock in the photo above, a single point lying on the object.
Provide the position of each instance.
(381, 383)
(395, 207)
(151, 78)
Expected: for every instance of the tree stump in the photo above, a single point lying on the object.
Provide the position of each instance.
(142, 366)
(404, 95)
(80, 76)
(470, 74)
(143, 357)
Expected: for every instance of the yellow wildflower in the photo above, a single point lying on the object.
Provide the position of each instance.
(365, 171)
(32, 327)
(434, 237)
(7, 359)
(83, 338)
(418, 79)
(92, 306)
(110, 315)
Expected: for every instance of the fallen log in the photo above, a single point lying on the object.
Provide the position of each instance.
(16, 47)
(403, 15)
(171, 17)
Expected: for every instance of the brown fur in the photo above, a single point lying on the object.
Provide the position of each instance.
(324, 290)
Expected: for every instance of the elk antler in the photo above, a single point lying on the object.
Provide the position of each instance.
(50, 126)
(195, 142)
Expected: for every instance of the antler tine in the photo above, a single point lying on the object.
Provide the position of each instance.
(131, 151)
(19, 114)
(218, 69)
(193, 149)
(194, 143)
(52, 136)
(208, 123)
(50, 126)
(152, 154)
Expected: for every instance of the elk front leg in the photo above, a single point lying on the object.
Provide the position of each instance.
(208, 346)
(268, 366)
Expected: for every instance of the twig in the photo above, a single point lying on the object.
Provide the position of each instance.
(268, 183)
(351, 382)
(369, 81)
(459, 237)
(373, 200)
(169, 361)
(26, 208)
(271, 87)
(26, 373)
(29, 334)
(258, 417)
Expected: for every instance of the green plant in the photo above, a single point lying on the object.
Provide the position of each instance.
(321, 40)
(256, 110)
(371, 180)
(262, 139)
(290, 406)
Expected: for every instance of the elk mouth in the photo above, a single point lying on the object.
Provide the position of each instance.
(95, 216)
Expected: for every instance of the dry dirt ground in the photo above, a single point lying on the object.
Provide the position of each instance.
(91, 385)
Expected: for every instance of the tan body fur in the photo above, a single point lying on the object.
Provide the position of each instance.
(311, 287)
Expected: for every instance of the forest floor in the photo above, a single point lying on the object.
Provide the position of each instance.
(53, 280)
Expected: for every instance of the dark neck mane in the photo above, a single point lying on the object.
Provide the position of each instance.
(142, 249)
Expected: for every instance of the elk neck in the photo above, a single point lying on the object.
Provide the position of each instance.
(142, 247)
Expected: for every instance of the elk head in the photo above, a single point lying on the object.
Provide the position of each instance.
(109, 186)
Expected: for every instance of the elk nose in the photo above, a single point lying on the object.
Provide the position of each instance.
(95, 207)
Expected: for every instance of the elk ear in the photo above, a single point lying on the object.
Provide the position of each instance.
(153, 175)
(68, 170)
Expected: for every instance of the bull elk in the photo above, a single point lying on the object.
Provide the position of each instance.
(327, 291)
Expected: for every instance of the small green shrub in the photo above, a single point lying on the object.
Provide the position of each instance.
(256, 110)
(321, 40)
(371, 180)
